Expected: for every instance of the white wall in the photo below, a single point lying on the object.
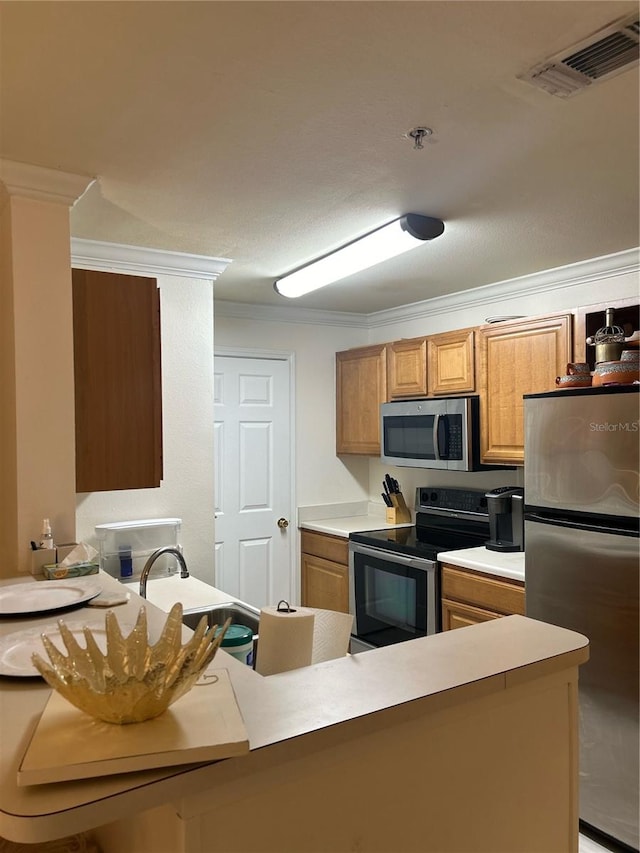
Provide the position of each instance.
(186, 492)
(320, 476)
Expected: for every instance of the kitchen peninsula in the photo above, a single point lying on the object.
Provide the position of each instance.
(382, 751)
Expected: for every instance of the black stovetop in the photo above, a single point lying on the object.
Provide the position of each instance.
(446, 520)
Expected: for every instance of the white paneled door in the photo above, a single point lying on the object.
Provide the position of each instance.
(253, 493)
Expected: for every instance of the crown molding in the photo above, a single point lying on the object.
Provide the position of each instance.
(252, 352)
(275, 314)
(559, 278)
(42, 184)
(137, 260)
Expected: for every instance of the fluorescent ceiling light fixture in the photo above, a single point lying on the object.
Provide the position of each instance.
(386, 242)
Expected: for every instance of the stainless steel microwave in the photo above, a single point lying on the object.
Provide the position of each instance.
(436, 432)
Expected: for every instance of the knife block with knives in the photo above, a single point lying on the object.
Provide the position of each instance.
(397, 510)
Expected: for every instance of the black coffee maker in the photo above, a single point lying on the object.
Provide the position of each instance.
(506, 518)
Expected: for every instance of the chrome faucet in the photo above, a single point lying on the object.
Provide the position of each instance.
(168, 549)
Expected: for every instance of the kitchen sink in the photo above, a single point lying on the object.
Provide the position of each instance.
(217, 614)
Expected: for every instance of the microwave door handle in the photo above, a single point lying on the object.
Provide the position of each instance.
(441, 432)
(436, 436)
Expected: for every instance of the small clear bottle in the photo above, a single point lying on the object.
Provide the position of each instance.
(46, 538)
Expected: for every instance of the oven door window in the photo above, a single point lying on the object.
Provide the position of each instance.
(390, 601)
(409, 436)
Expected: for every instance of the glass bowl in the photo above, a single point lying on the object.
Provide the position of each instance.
(133, 681)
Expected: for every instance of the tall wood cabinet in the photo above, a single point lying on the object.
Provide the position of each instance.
(516, 358)
(361, 386)
(118, 387)
(325, 571)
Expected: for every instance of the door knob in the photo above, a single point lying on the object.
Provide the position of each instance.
(283, 523)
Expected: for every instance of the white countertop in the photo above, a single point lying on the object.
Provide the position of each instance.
(351, 524)
(506, 564)
(191, 592)
(341, 519)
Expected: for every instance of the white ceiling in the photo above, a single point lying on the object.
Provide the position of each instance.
(273, 132)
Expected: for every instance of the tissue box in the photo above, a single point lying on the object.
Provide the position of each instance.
(64, 550)
(55, 572)
(42, 557)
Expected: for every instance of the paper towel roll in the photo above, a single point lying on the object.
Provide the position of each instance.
(285, 639)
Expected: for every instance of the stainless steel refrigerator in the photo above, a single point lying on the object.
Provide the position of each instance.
(581, 572)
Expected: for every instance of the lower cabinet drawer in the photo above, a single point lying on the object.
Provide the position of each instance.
(499, 595)
(456, 615)
(334, 548)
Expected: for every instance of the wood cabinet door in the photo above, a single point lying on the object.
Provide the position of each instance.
(516, 358)
(325, 584)
(361, 386)
(457, 615)
(407, 368)
(118, 388)
(451, 362)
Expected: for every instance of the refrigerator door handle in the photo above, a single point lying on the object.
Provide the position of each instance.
(579, 525)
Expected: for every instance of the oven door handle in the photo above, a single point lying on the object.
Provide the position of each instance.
(392, 557)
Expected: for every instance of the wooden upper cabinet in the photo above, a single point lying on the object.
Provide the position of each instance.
(516, 358)
(438, 364)
(407, 368)
(361, 386)
(118, 389)
(451, 362)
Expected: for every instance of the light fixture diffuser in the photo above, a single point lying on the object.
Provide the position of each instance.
(386, 242)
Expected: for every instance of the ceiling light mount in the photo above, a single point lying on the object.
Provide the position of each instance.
(388, 241)
(419, 134)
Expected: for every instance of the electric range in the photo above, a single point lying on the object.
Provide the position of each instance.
(394, 577)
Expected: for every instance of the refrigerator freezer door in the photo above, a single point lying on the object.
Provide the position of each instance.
(588, 581)
(581, 452)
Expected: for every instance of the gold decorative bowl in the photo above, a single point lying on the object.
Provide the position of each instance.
(133, 681)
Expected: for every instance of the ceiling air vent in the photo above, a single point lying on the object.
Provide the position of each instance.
(603, 55)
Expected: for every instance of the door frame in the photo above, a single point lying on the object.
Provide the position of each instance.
(288, 357)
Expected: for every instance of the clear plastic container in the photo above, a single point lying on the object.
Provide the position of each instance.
(125, 546)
